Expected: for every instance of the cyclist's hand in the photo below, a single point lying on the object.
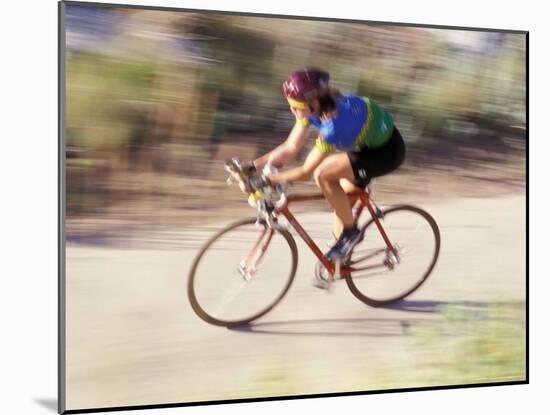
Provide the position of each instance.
(254, 184)
(248, 168)
(259, 182)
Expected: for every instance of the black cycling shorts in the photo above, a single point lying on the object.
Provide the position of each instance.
(368, 163)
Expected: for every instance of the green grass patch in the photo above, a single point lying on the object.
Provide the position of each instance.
(474, 344)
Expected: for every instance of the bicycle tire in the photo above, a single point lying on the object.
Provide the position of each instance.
(195, 304)
(364, 297)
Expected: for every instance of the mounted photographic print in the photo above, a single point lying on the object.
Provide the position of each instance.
(264, 207)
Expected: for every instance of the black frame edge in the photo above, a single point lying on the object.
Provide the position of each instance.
(291, 397)
(61, 380)
(527, 207)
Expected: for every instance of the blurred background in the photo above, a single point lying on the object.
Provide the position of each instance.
(157, 99)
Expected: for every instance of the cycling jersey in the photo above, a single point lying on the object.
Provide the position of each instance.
(359, 122)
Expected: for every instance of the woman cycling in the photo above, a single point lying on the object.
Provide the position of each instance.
(370, 143)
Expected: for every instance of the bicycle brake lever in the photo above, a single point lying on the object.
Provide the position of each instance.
(228, 166)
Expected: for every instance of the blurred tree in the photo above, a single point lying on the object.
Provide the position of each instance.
(154, 92)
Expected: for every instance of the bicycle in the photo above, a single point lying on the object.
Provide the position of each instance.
(373, 271)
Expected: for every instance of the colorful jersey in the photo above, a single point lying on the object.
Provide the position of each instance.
(359, 122)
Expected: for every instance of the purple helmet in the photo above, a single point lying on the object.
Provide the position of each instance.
(305, 85)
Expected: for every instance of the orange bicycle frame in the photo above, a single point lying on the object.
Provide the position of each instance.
(365, 201)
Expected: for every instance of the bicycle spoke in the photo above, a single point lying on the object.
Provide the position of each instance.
(405, 244)
(371, 274)
(229, 296)
(364, 256)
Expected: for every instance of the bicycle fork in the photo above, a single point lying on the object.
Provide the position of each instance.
(246, 269)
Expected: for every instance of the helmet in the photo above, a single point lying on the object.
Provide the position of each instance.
(305, 85)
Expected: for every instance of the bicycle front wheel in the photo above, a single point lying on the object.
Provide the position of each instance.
(241, 273)
(379, 277)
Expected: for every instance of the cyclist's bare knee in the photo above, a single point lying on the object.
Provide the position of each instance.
(348, 186)
(321, 176)
(326, 173)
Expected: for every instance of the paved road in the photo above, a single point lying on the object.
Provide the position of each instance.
(132, 338)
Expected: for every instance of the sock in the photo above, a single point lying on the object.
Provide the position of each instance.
(350, 229)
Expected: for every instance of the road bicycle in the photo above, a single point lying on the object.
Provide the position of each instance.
(245, 269)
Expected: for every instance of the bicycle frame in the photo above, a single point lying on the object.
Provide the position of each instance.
(364, 196)
(257, 234)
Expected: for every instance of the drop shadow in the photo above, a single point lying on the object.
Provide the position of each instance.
(418, 306)
(378, 327)
(48, 403)
(428, 306)
(338, 327)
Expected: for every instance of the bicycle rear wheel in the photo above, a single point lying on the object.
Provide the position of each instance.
(241, 273)
(379, 278)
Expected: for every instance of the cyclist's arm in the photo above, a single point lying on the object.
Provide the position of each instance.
(304, 172)
(288, 150)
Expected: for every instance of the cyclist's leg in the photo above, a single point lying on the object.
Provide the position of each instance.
(349, 187)
(328, 176)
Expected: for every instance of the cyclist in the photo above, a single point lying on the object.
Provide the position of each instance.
(369, 142)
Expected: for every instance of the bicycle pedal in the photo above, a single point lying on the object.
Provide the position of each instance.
(323, 285)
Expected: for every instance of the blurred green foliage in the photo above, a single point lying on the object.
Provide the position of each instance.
(490, 345)
(98, 90)
(468, 343)
(162, 84)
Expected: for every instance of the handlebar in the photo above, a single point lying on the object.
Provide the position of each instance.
(234, 168)
(265, 206)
